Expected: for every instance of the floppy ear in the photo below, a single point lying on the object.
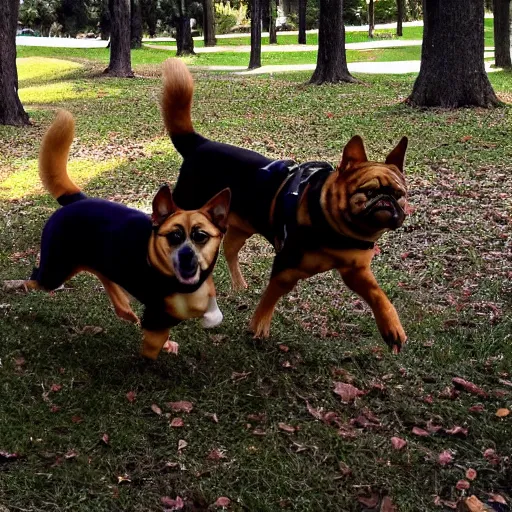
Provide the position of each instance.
(397, 156)
(218, 208)
(353, 153)
(163, 205)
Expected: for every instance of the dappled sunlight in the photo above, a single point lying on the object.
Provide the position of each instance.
(55, 93)
(25, 182)
(44, 69)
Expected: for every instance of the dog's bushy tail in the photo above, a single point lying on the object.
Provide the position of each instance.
(53, 158)
(176, 104)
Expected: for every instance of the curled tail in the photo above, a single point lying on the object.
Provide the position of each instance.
(53, 159)
(178, 89)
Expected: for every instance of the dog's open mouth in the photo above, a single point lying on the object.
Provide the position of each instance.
(382, 202)
(384, 212)
(188, 276)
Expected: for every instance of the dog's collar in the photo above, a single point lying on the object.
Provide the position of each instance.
(308, 178)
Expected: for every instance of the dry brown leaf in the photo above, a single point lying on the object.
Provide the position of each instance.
(222, 502)
(316, 413)
(502, 413)
(287, 428)
(398, 443)
(369, 501)
(171, 347)
(171, 504)
(445, 458)
(55, 388)
(469, 387)
(123, 478)
(156, 409)
(131, 395)
(387, 505)
(457, 431)
(182, 444)
(177, 422)
(105, 438)
(347, 392)
(238, 376)
(417, 431)
(471, 474)
(216, 454)
(462, 485)
(181, 406)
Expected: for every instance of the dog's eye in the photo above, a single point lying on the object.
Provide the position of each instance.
(370, 192)
(176, 237)
(199, 237)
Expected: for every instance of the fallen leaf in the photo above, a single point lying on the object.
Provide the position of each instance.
(123, 478)
(462, 485)
(477, 408)
(91, 329)
(491, 456)
(156, 409)
(347, 392)
(501, 413)
(105, 438)
(398, 443)
(284, 348)
(182, 444)
(55, 388)
(71, 454)
(171, 504)
(369, 501)
(417, 431)
(316, 413)
(469, 387)
(216, 454)
(344, 469)
(212, 416)
(222, 502)
(287, 428)
(387, 505)
(259, 432)
(433, 428)
(260, 417)
(457, 431)
(181, 406)
(238, 376)
(177, 422)
(471, 474)
(445, 458)
(77, 419)
(131, 395)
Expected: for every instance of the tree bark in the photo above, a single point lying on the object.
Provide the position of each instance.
(331, 64)
(371, 18)
(209, 23)
(136, 24)
(272, 11)
(255, 59)
(184, 41)
(501, 9)
(302, 21)
(11, 109)
(400, 8)
(452, 72)
(120, 56)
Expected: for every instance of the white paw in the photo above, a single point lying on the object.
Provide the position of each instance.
(212, 318)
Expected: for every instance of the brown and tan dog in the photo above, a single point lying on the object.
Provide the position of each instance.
(318, 218)
(164, 262)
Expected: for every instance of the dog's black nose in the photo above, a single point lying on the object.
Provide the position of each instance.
(188, 259)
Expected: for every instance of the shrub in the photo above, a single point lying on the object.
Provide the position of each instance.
(227, 17)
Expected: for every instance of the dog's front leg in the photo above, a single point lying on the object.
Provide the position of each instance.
(153, 341)
(362, 281)
(280, 284)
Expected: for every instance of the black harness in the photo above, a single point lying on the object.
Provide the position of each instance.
(291, 240)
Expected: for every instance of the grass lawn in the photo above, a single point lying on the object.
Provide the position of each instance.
(80, 442)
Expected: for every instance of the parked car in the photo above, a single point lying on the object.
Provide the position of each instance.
(28, 32)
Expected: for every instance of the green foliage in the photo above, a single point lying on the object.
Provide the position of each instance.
(228, 17)
(38, 14)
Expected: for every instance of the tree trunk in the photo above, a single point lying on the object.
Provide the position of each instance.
(11, 109)
(136, 24)
(272, 11)
(120, 57)
(184, 40)
(452, 72)
(400, 8)
(501, 9)
(209, 23)
(331, 64)
(302, 21)
(371, 18)
(255, 59)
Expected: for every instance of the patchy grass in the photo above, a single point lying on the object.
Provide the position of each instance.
(67, 363)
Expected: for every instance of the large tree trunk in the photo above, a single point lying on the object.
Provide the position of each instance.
(400, 8)
(272, 12)
(502, 33)
(136, 24)
(150, 15)
(184, 41)
(255, 59)
(331, 64)
(371, 18)
(302, 21)
(209, 23)
(11, 109)
(120, 57)
(452, 72)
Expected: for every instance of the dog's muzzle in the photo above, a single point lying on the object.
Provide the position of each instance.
(385, 211)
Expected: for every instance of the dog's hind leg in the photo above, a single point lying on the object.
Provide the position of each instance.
(234, 240)
(279, 285)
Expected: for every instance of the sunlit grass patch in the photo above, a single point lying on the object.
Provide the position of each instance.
(54, 92)
(44, 68)
(26, 182)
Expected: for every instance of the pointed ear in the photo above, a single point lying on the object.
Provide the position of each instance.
(353, 153)
(397, 156)
(217, 208)
(163, 205)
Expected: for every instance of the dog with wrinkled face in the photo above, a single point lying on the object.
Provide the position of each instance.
(164, 262)
(317, 218)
